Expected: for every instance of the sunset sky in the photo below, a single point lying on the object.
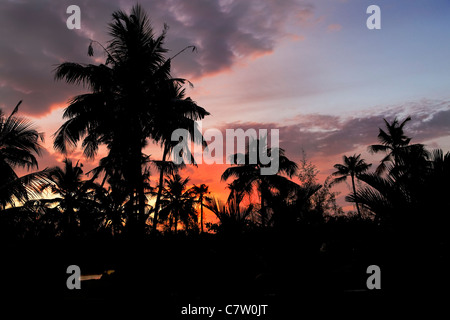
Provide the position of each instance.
(311, 69)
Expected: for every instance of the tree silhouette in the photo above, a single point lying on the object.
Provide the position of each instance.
(123, 193)
(248, 177)
(127, 104)
(394, 142)
(200, 192)
(408, 183)
(75, 197)
(313, 200)
(233, 218)
(179, 112)
(178, 202)
(399, 195)
(352, 166)
(19, 146)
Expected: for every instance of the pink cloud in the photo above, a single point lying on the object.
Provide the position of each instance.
(225, 33)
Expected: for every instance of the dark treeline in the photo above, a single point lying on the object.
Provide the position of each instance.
(273, 235)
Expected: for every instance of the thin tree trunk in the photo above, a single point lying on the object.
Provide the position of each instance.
(354, 193)
(176, 223)
(201, 214)
(158, 197)
(141, 218)
(263, 210)
(135, 180)
(170, 223)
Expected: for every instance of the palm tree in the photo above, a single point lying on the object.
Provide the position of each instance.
(115, 175)
(352, 166)
(398, 196)
(76, 197)
(248, 177)
(394, 142)
(440, 166)
(178, 202)
(117, 113)
(19, 146)
(437, 185)
(233, 218)
(117, 202)
(129, 102)
(179, 113)
(201, 191)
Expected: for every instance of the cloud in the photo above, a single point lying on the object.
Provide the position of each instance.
(330, 136)
(325, 138)
(226, 31)
(34, 39)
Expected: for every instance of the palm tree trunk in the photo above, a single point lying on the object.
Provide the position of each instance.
(138, 195)
(141, 218)
(176, 223)
(354, 193)
(170, 223)
(263, 210)
(201, 214)
(160, 187)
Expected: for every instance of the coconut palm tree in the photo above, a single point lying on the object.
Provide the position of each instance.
(200, 192)
(352, 166)
(117, 201)
(15, 189)
(233, 218)
(19, 146)
(436, 190)
(398, 196)
(117, 111)
(394, 143)
(179, 113)
(129, 99)
(440, 165)
(75, 196)
(178, 202)
(248, 178)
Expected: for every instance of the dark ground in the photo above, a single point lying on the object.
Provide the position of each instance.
(293, 275)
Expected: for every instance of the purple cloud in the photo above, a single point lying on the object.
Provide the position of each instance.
(34, 39)
(329, 136)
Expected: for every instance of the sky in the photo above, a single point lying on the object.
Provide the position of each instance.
(311, 69)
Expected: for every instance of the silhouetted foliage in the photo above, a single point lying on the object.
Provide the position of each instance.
(275, 234)
(133, 99)
(249, 179)
(201, 191)
(76, 199)
(234, 219)
(352, 166)
(178, 203)
(19, 146)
